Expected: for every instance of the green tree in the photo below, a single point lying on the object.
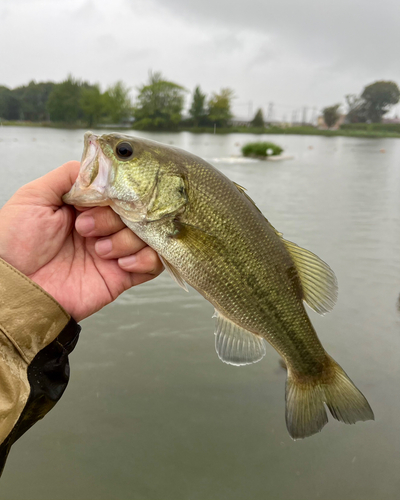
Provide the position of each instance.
(118, 102)
(258, 120)
(331, 115)
(10, 106)
(197, 110)
(33, 98)
(159, 104)
(378, 98)
(219, 107)
(64, 103)
(92, 105)
(356, 110)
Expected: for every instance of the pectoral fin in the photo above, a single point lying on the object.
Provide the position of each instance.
(237, 346)
(174, 273)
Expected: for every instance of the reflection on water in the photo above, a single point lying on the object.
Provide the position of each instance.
(151, 412)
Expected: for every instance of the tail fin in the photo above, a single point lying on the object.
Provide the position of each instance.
(305, 410)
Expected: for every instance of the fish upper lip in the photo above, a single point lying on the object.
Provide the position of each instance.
(85, 191)
(89, 155)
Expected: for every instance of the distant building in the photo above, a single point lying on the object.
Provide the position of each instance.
(393, 121)
(237, 121)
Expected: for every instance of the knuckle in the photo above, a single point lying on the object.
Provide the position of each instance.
(128, 238)
(153, 263)
(106, 219)
(106, 216)
(128, 242)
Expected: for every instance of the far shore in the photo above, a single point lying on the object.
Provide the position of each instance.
(296, 130)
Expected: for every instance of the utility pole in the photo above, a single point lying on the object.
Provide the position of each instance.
(270, 111)
(250, 109)
(304, 119)
(314, 116)
(294, 116)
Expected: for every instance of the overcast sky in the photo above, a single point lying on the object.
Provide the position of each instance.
(293, 53)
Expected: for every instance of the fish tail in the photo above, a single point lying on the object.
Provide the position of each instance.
(306, 396)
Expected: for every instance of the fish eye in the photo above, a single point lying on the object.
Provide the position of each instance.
(124, 150)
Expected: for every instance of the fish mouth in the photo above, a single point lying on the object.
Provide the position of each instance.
(90, 188)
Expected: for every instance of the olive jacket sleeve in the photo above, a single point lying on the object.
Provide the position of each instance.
(36, 336)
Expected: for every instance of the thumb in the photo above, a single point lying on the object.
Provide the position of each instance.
(51, 187)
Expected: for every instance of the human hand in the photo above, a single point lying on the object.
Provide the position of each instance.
(66, 252)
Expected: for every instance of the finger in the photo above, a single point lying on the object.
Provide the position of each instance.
(146, 261)
(52, 186)
(82, 209)
(120, 244)
(138, 279)
(98, 221)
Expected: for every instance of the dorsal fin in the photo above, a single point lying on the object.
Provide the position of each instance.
(317, 278)
(237, 346)
(240, 188)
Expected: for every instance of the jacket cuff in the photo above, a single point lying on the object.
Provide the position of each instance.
(47, 377)
(29, 317)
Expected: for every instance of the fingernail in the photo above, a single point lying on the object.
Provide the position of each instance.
(127, 261)
(84, 224)
(103, 247)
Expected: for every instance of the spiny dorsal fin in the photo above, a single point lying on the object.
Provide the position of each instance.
(243, 191)
(240, 188)
(174, 273)
(237, 346)
(317, 278)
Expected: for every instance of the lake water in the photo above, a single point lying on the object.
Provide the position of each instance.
(151, 413)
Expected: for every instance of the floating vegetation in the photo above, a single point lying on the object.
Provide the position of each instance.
(261, 149)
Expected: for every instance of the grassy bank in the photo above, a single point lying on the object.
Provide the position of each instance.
(299, 131)
(357, 130)
(69, 126)
(41, 125)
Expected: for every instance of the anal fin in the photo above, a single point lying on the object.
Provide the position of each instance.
(237, 346)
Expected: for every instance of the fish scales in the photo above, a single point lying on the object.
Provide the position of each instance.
(265, 303)
(211, 235)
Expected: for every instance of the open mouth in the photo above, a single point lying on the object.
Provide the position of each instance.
(89, 189)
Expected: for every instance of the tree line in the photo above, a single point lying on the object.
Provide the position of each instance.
(160, 103)
(71, 101)
(369, 107)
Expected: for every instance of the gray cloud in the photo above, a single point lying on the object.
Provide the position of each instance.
(308, 53)
(354, 33)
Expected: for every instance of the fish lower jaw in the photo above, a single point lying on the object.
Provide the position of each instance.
(84, 198)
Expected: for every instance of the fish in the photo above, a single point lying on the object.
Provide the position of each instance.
(210, 235)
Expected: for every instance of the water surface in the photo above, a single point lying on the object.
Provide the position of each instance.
(151, 412)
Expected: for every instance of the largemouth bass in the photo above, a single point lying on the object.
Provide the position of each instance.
(210, 235)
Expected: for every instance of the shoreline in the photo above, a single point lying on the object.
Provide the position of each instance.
(300, 130)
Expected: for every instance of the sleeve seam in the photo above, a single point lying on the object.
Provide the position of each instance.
(14, 343)
(35, 285)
